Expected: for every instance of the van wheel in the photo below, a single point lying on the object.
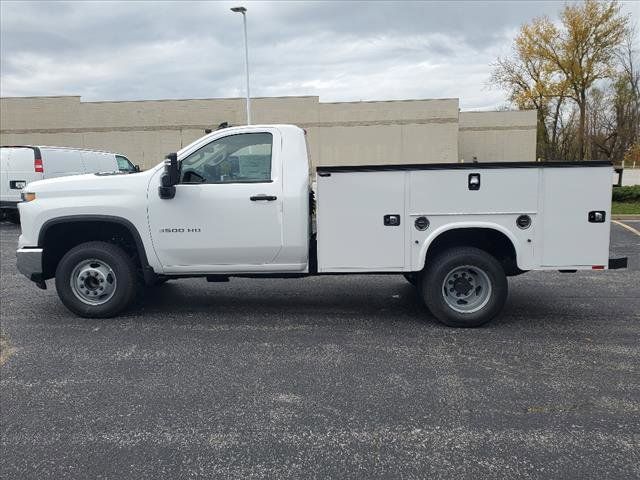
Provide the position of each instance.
(464, 287)
(96, 280)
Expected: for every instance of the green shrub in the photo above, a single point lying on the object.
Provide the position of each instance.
(625, 208)
(626, 194)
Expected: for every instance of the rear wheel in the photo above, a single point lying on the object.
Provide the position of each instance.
(96, 280)
(464, 287)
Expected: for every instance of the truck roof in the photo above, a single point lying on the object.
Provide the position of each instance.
(242, 128)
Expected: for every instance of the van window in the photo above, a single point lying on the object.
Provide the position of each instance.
(60, 162)
(124, 165)
(241, 158)
(19, 159)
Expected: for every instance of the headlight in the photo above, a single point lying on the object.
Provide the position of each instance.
(28, 196)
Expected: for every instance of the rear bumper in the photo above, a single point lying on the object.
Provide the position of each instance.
(617, 263)
(29, 263)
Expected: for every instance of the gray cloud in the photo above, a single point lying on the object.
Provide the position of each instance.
(337, 50)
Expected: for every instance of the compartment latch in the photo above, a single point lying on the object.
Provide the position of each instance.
(392, 220)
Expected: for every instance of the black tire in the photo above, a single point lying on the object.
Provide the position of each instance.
(412, 278)
(13, 216)
(158, 282)
(120, 263)
(438, 300)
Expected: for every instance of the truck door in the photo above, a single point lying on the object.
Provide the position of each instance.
(227, 210)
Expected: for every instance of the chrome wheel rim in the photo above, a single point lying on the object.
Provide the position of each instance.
(93, 282)
(466, 289)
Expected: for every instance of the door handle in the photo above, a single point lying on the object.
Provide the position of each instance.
(268, 198)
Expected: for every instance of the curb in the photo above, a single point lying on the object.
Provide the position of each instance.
(625, 217)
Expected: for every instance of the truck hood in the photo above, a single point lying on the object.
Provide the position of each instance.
(89, 184)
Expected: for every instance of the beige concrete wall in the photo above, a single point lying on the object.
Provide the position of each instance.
(410, 131)
(374, 133)
(498, 136)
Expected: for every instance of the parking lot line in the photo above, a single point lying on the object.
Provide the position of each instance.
(628, 227)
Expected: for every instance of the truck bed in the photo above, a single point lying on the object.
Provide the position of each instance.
(353, 201)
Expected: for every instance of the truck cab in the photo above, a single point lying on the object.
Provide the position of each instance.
(240, 204)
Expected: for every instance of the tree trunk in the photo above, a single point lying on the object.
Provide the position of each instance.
(581, 125)
(554, 150)
(542, 140)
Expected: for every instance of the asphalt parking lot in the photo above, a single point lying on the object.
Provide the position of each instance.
(330, 377)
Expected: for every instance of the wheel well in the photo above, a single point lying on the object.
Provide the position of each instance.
(61, 237)
(491, 241)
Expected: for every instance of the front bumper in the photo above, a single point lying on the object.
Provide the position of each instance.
(9, 205)
(29, 263)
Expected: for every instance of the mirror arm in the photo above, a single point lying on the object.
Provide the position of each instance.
(166, 193)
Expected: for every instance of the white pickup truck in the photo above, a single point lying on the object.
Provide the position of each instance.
(238, 202)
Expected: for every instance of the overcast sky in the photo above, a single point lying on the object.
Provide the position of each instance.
(340, 51)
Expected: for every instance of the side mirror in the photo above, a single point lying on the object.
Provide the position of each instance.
(169, 178)
(136, 168)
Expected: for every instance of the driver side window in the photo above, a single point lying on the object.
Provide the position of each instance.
(241, 158)
(124, 165)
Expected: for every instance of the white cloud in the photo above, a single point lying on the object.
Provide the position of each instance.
(338, 51)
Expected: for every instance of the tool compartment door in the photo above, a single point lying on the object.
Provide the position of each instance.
(356, 221)
(568, 237)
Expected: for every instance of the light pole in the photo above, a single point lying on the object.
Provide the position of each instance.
(243, 11)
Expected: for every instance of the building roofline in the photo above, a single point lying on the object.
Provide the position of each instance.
(40, 96)
(291, 97)
(395, 101)
(159, 99)
(499, 111)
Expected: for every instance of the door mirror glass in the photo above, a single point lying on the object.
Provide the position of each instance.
(171, 169)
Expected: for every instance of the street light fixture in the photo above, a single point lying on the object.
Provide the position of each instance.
(243, 11)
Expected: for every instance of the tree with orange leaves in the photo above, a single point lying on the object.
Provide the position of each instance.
(569, 58)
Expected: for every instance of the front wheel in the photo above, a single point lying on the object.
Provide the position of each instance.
(464, 287)
(158, 281)
(412, 278)
(96, 280)
(13, 216)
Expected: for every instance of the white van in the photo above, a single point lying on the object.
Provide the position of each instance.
(20, 165)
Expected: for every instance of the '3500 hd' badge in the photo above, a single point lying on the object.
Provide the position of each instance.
(180, 230)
